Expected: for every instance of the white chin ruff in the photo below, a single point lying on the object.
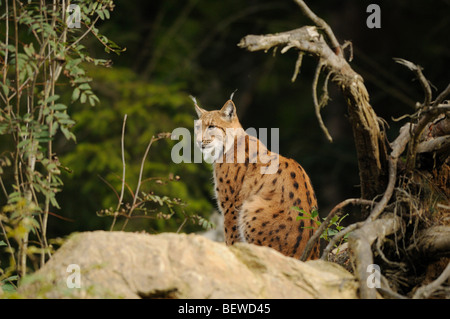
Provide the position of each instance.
(212, 154)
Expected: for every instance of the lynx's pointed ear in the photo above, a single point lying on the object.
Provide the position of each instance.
(228, 110)
(198, 109)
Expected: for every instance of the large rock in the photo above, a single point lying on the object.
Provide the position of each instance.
(138, 265)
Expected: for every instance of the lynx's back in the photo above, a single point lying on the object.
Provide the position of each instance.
(255, 188)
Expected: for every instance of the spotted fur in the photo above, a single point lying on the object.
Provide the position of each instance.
(257, 207)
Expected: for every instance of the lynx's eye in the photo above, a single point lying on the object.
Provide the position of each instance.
(210, 127)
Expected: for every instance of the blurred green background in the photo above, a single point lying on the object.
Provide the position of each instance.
(177, 48)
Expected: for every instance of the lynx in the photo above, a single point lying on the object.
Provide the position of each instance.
(255, 189)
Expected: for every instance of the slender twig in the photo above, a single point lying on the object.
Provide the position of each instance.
(379, 207)
(83, 35)
(298, 64)
(442, 96)
(122, 143)
(386, 290)
(110, 186)
(325, 97)
(423, 81)
(3, 188)
(350, 45)
(5, 67)
(11, 250)
(23, 246)
(16, 45)
(316, 103)
(136, 195)
(182, 224)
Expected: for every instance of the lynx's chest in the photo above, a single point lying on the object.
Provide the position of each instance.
(228, 180)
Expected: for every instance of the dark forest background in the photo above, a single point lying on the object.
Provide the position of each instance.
(178, 48)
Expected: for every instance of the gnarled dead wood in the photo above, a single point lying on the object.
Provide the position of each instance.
(439, 143)
(426, 291)
(379, 171)
(433, 242)
(360, 242)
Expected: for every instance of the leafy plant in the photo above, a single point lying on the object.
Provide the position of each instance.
(147, 203)
(37, 48)
(151, 108)
(332, 228)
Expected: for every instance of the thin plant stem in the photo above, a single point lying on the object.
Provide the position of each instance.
(122, 143)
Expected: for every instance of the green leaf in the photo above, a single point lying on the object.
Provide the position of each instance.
(58, 107)
(66, 132)
(51, 99)
(5, 89)
(83, 98)
(101, 15)
(75, 94)
(84, 86)
(23, 143)
(2, 243)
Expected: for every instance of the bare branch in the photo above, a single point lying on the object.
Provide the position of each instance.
(360, 242)
(442, 96)
(427, 291)
(369, 138)
(144, 158)
(386, 291)
(433, 145)
(398, 146)
(322, 25)
(298, 64)
(325, 97)
(316, 103)
(433, 242)
(122, 143)
(350, 45)
(423, 81)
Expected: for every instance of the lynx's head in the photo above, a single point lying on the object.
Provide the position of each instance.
(215, 131)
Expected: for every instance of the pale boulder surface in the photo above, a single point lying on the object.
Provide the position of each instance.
(168, 265)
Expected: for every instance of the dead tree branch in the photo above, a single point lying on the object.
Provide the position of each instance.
(428, 290)
(317, 105)
(438, 143)
(369, 138)
(433, 242)
(360, 242)
(380, 172)
(442, 96)
(422, 79)
(321, 24)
